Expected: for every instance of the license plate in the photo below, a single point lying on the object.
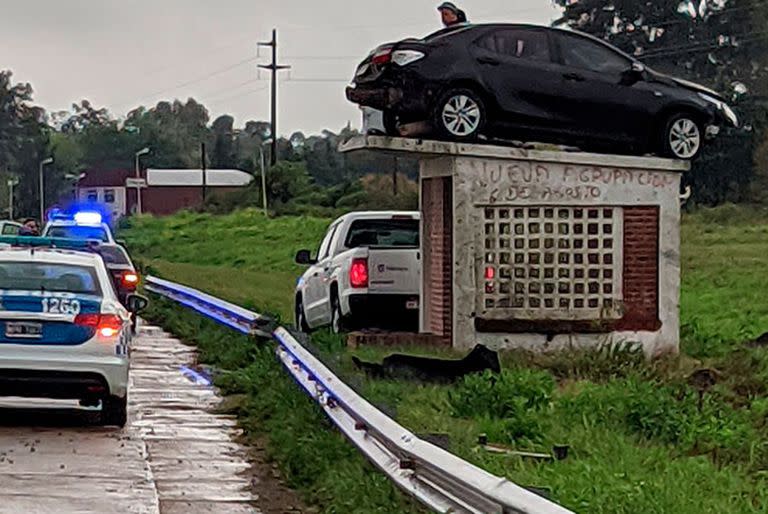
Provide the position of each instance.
(412, 304)
(23, 330)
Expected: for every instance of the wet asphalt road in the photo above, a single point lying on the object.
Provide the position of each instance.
(174, 456)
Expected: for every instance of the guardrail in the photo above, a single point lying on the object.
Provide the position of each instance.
(434, 476)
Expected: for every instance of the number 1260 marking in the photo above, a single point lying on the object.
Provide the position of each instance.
(61, 306)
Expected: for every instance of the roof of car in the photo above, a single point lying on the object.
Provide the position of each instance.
(379, 214)
(54, 255)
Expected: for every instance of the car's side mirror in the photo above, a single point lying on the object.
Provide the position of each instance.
(634, 74)
(121, 242)
(304, 257)
(136, 303)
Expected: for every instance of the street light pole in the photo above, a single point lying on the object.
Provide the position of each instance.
(143, 151)
(11, 184)
(49, 160)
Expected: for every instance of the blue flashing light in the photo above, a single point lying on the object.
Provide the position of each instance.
(49, 242)
(87, 218)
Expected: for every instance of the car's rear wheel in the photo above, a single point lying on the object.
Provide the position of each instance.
(390, 121)
(114, 411)
(683, 137)
(339, 324)
(459, 115)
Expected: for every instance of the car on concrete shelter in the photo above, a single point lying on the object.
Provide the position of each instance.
(515, 81)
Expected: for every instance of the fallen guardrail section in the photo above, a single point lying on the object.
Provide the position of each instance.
(437, 478)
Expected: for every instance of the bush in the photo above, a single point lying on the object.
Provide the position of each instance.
(508, 401)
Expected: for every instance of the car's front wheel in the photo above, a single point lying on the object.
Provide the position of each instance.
(683, 137)
(301, 318)
(114, 411)
(459, 115)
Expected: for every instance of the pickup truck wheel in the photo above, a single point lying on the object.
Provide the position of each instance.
(114, 411)
(301, 319)
(338, 325)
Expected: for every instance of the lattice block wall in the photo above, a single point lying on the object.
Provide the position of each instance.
(551, 262)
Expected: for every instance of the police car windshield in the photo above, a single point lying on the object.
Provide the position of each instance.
(78, 232)
(48, 277)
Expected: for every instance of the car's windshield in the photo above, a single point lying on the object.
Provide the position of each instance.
(393, 232)
(114, 255)
(78, 232)
(43, 276)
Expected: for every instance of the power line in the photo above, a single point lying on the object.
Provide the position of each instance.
(236, 96)
(197, 80)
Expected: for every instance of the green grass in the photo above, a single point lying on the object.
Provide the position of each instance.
(641, 439)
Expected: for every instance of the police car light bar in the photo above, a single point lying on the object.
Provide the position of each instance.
(50, 242)
(87, 218)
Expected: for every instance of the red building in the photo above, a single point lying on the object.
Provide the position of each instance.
(162, 191)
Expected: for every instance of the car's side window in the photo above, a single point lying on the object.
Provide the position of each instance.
(9, 229)
(579, 52)
(521, 43)
(325, 246)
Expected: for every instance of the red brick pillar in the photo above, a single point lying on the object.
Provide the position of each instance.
(437, 237)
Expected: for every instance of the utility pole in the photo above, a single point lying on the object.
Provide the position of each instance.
(12, 182)
(202, 159)
(274, 68)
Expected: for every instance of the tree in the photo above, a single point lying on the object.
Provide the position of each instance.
(23, 140)
(223, 133)
(721, 43)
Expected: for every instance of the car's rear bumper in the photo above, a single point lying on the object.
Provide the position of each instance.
(392, 311)
(404, 97)
(90, 377)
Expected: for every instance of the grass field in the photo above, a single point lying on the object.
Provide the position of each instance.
(641, 438)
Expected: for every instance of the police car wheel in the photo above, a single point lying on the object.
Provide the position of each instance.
(114, 411)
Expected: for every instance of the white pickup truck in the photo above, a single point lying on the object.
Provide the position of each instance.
(366, 274)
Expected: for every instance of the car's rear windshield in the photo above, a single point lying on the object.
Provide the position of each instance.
(114, 255)
(393, 232)
(78, 232)
(49, 277)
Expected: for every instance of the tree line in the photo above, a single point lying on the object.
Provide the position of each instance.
(720, 43)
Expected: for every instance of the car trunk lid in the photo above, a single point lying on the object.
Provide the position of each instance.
(46, 318)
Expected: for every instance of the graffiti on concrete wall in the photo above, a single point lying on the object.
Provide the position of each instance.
(503, 182)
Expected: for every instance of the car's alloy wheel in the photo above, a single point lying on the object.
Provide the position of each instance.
(460, 114)
(683, 138)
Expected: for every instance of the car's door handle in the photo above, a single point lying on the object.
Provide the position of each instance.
(488, 60)
(573, 76)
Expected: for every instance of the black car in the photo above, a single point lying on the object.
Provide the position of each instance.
(504, 81)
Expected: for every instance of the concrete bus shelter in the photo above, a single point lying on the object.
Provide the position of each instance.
(545, 250)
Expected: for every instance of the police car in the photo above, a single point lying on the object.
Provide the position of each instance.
(80, 225)
(63, 332)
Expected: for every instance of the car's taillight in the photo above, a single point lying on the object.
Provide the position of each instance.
(129, 279)
(406, 57)
(382, 56)
(358, 273)
(106, 325)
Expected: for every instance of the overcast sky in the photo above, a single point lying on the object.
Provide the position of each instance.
(125, 53)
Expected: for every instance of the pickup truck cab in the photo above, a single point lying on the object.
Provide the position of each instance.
(366, 273)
